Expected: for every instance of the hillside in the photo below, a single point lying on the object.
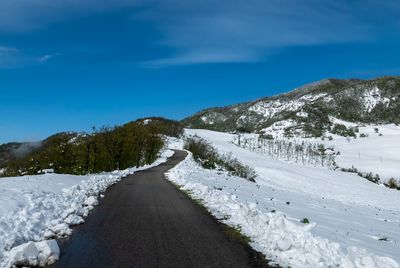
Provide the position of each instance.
(108, 148)
(300, 215)
(312, 110)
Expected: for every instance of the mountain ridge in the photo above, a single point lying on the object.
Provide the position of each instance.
(355, 100)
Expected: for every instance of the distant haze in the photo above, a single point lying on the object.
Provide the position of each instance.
(25, 149)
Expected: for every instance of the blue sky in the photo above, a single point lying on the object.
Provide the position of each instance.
(73, 64)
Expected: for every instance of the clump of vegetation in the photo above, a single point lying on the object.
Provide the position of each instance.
(370, 176)
(205, 154)
(266, 136)
(342, 130)
(393, 184)
(305, 221)
(243, 129)
(367, 175)
(105, 149)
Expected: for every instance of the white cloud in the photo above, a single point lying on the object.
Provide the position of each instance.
(203, 56)
(47, 57)
(9, 57)
(13, 58)
(7, 50)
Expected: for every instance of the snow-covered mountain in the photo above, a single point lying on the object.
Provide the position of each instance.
(313, 110)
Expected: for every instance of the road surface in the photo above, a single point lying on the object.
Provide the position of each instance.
(144, 221)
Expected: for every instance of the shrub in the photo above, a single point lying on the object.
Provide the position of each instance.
(208, 157)
(392, 183)
(243, 130)
(266, 136)
(305, 221)
(369, 176)
(342, 130)
(236, 168)
(202, 152)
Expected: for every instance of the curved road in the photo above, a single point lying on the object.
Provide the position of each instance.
(144, 221)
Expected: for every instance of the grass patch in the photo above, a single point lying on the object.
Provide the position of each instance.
(235, 234)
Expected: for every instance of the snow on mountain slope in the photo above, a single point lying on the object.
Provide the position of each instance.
(35, 208)
(270, 108)
(359, 101)
(346, 208)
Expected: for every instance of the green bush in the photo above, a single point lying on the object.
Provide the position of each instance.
(342, 130)
(392, 183)
(305, 221)
(266, 136)
(208, 157)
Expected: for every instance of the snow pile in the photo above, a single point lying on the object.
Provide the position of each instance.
(273, 234)
(34, 254)
(35, 208)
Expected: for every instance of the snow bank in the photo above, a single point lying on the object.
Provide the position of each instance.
(280, 239)
(35, 208)
(34, 254)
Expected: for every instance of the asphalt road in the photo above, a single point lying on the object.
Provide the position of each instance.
(144, 221)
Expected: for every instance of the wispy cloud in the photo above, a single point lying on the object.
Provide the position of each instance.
(209, 31)
(9, 57)
(236, 31)
(47, 57)
(25, 15)
(7, 50)
(202, 56)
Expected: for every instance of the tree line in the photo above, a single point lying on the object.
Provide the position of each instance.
(105, 149)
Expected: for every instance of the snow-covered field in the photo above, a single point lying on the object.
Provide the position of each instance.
(378, 152)
(36, 208)
(353, 221)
